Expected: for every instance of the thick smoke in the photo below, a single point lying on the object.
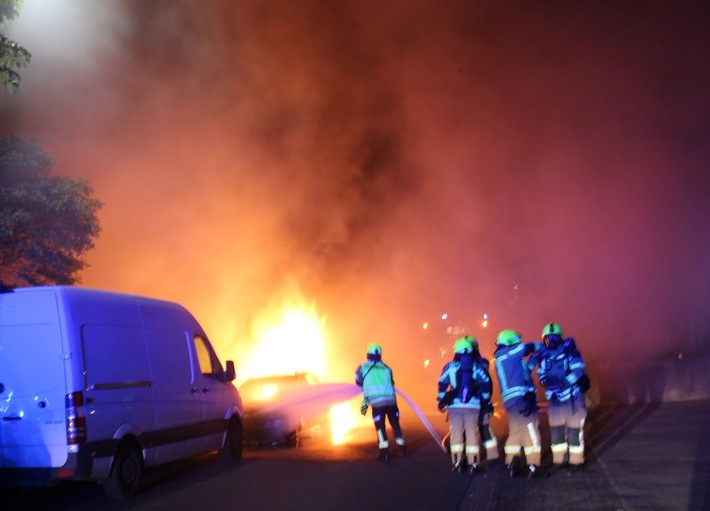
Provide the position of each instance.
(390, 163)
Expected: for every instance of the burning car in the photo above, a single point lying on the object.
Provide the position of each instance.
(280, 409)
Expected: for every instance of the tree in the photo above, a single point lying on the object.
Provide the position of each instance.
(46, 223)
(12, 55)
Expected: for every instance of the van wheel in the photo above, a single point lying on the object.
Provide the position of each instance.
(126, 474)
(234, 443)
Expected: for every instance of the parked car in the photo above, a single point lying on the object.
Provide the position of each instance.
(281, 409)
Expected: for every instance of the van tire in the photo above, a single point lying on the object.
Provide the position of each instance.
(234, 441)
(126, 476)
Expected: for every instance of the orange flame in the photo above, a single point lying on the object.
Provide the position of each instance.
(345, 419)
(289, 339)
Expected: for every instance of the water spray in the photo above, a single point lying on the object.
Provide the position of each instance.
(423, 418)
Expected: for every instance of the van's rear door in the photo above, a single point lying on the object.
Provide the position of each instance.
(32, 381)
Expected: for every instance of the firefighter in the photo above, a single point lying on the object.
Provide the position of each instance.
(522, 447)
(462, 386)
(561, 372)
(377, 382)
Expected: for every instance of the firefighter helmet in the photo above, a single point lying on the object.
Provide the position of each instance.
(551, 329)
(465, 344)
(374, 349)
(509, 338)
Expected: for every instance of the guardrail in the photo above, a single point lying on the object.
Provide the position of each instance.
(659, 381)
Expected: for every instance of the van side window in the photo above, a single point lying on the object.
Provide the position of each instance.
(206, 357)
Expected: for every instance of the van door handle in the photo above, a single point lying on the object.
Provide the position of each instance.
(11, 418)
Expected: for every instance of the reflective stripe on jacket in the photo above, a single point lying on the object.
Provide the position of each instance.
(377, 382)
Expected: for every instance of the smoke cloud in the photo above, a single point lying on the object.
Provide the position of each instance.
(535, 162)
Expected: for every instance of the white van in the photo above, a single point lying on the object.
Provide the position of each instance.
(97, 385)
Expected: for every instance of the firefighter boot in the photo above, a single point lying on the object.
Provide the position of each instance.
(514, 467)
(383, 456)
(534, 471)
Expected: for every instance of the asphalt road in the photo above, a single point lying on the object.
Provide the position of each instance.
(312, 476)
(646, 456)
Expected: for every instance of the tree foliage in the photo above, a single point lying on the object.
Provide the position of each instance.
(47, 223)
(12, 55)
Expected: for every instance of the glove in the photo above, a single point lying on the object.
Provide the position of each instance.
(441, 405)
(363, 407)
(530, 404)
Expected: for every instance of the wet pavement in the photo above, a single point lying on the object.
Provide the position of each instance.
(653, 456)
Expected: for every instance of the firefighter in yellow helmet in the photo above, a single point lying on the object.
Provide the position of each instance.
(517, 390)
(561, 372)
(462, 386)
(377, 382)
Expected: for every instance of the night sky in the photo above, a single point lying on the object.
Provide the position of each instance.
(389, 161)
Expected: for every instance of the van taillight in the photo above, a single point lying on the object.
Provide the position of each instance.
(76, 421)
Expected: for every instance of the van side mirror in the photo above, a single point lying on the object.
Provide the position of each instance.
(229, 373)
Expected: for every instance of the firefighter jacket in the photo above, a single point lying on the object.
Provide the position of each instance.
(514, 378)
(377, 382)
(461, 387)
(559, 371)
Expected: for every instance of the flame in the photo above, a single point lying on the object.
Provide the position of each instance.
(287, 342)
(342, 419)
(345, 419)
(291, 338)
